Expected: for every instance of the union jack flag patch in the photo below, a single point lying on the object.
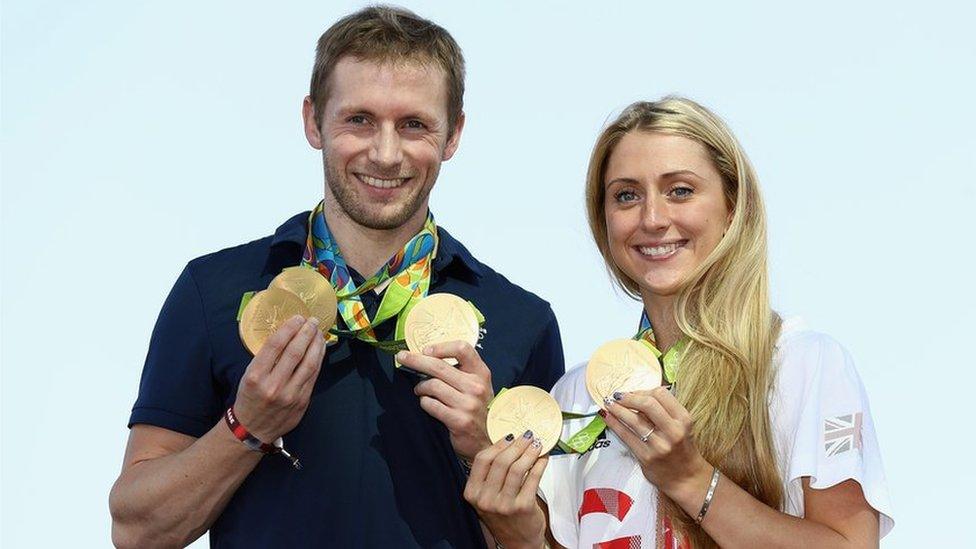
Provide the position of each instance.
(842, 433)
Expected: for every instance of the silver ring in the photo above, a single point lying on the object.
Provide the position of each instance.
(647, 435)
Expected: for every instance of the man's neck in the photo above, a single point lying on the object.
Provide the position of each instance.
(365, 249)
(660, 309)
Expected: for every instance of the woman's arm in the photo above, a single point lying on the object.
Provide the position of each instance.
(836, 517)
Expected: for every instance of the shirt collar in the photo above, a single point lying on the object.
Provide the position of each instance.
(450, 252)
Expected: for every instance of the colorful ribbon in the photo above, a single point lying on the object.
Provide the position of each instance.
(408, 272)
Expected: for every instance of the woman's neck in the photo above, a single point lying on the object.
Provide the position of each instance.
(660, 309)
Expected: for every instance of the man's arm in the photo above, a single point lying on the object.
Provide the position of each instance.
(173, 487)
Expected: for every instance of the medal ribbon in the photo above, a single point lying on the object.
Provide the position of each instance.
(584, 438)
(408, 273)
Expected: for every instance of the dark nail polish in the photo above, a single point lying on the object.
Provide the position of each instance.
(527, 434)
(617, 395)
(510, 437)
(602, 412)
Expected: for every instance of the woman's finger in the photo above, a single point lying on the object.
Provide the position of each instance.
(519, 468)
(633, 420)
(484, 459)
(530, 488)
(637, 447)
(503, 461)
(647, 404)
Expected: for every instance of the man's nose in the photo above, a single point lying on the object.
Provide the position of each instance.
(385, 150)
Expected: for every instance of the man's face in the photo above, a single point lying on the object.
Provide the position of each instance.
(383, 136)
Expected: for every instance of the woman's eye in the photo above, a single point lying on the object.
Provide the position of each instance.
(625, 196)
(681, 192)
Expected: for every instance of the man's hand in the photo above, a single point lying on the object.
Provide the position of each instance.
(277, 385)
(458, 396)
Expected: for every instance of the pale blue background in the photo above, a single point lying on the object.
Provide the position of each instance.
(136, 137)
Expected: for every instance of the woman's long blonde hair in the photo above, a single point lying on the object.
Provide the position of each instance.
(726, 374)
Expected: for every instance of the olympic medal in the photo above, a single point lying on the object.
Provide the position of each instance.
(265, 313)
(621, 365)
(439, 318)
(526, 408)
(314, 290)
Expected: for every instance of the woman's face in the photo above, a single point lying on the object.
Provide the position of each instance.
(665, 208)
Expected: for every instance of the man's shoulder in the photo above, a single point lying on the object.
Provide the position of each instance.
(246, 263)
(491, 281)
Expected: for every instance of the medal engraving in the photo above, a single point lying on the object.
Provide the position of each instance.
(621, 365)
(265, 313)
(526, 408)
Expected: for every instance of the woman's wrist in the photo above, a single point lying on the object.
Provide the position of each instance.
(690, 490)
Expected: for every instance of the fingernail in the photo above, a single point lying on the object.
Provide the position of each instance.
(527, 434)
(510, 437)
(537, 443)
(617, 395)
(298, 319)
(313, 320)
(428, 350)
(401, 355)
(607, 401)
(602, 412)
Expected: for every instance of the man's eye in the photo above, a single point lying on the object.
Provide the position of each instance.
(415, 125)
(356, 119)
(625, 196)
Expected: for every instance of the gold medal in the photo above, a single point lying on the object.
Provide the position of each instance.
(314, 290)
(621, 365)
(265, 313)
(526, 408)
(439, 318)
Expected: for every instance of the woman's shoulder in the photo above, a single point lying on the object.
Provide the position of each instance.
(804, 355)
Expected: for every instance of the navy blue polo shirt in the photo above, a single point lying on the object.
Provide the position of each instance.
(377, 470)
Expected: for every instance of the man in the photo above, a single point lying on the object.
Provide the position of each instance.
(380, 448)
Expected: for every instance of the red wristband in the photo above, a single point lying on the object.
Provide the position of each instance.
(252, 442)
(244, 436)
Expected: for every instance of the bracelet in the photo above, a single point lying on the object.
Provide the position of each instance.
(708, 497)
(242, 434)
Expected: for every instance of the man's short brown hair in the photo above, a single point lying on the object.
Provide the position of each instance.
(386, 33)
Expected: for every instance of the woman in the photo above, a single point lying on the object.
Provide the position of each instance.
(765, 439)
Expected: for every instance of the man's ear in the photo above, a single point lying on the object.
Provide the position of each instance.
(311, 121)
(455, 140)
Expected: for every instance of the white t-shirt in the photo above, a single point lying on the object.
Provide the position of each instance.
(822, 426)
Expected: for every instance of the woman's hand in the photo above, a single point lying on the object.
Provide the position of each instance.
(658, 431)
(502, 487)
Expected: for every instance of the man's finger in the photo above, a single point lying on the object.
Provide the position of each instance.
(443, 392)
(469, 361)
(309, 367)
(265, 360)
(295, 351)
(441, 412)
(432, 367)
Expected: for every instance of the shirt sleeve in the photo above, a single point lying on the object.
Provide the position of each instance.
(176, 391)
(546, 362)
(825, 426)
